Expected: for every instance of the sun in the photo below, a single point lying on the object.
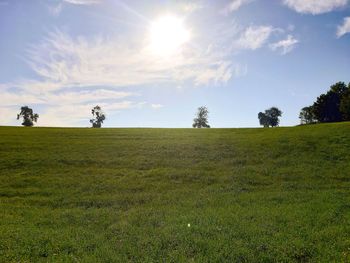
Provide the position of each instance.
(167, 35)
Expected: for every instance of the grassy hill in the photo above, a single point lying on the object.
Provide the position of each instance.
(174, 195)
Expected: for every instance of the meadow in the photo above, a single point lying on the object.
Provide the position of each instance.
(175, 195)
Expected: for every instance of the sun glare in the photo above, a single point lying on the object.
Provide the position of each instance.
(168, 34)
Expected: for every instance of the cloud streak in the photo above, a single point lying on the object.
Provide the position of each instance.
(67, 62)
(83, 2)
(344, 28)
(234, 5)
(315, 7)
(286, 45)
(254, 37)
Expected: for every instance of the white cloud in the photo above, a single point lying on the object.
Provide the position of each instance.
(254, 37)
(67, 62)
(157, 106)
(60, 98)
(286, 45)
(235, 5)
(56, 10)
(315, 7)
(83, 2)
(344, 28)
(8, 116)
(71, 115)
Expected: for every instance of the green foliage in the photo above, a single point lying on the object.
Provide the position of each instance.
(345, 105)
(28, 116)
(201, 120)
(98, 117)
(307, 115)
(334, 106)
(270, 117)
(249, 195)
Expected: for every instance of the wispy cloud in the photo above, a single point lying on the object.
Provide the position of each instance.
(83, 2)
(70, 62)
(254, 37)
(62, 98)
(70, 115)
(157, 106)
(235, 5)
(344, 28)
(315, 7)
(286, 45)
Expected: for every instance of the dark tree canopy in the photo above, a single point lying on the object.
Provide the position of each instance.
(270, 117)
(345, 105)
(28, 116)
(98, 117)
(333, 106)
(201, 120)
(327, 106)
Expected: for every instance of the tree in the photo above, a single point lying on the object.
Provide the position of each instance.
(345, 105)
(201, 120)
(270, 117)
(327, 106)
(98, 117)
(28, 116)
(307, 115)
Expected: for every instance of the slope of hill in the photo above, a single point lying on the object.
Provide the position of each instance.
(170, 195)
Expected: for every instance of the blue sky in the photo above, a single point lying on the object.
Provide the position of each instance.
(152, 63)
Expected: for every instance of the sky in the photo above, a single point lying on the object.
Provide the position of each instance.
(153, 63)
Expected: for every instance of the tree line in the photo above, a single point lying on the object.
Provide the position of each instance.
(267, 119)
(333, 106)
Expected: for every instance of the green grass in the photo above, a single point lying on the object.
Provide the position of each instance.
(128, 195)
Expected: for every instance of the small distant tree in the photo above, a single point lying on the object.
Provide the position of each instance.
(270, 117)
(201, 120)
(98, 117)
(307, 115)
(28, 116)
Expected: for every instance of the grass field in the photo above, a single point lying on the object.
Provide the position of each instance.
(175, 195)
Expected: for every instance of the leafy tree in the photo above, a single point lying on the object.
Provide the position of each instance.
(201, 120)
(270, 117)
(98, 117)
(263, 120)
(345, 105)
(327, 106)
(28, 116)
(307, 115)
